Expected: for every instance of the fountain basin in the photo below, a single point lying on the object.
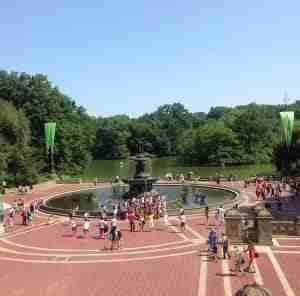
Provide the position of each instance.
(91, 199)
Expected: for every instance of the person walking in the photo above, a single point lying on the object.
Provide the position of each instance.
(101, 227)
(31, 208)
(182, 220)
(29, 217)
(131, 219)
(119, 238)
(141, 222)
(207, 214)
(74, 227)
(115, 211)
(11, 216)
(166, 219)
(239, 260)
(86, 227)
(212, 239)
(151, 219)
(251, 255)
(221, 215)
(225, 246)
(113, 236)
(24, 216)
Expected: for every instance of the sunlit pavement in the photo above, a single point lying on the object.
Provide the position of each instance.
(49, 260)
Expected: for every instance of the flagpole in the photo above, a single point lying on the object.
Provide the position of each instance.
(52, 160)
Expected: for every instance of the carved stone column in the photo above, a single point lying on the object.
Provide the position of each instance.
(233, 226)
(264, 227)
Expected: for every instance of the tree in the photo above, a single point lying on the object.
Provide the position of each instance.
(257, 130)
(217, 113)
(212, 143)
(110, 144)
(16, 163)
(173, 119)
(40, 102)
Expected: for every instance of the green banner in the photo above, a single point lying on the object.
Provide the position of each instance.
(287, 119)
(50, 135)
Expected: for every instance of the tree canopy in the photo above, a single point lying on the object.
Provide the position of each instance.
(235, 135)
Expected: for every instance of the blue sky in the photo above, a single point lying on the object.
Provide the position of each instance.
(131, 56)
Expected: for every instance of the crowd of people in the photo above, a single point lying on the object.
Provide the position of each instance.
(242, 256)
(267, 190)
(139, 212)
(18, 208)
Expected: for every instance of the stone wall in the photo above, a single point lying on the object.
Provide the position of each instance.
(286, 227)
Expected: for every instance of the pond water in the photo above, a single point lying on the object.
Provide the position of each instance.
(91, 200)
(161, 166)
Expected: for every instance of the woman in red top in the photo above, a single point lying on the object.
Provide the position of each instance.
(252, 255)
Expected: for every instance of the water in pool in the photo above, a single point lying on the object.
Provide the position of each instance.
(91, 200)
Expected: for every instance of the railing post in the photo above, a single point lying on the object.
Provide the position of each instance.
(233, 226)
(264, 227)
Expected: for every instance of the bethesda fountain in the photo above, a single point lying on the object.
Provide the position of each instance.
(140, 182)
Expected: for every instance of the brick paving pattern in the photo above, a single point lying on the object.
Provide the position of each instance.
(47, 260)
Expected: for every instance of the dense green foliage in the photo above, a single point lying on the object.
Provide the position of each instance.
(240, 135)
(34, 101)
(245, 134)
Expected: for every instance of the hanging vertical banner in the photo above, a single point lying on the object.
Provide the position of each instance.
(287, 119)
(50, 135)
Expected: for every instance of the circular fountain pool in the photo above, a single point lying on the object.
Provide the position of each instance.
(188, 196)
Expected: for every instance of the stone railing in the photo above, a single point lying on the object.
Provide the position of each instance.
(286, 227)
(253, 224)
(80, 181)
(257, 225)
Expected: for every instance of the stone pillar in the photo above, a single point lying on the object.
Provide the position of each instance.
(264, 227)
(233, 226)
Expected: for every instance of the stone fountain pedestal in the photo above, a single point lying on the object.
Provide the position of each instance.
(140, 182)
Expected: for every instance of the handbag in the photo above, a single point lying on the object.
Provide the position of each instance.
(256, 255)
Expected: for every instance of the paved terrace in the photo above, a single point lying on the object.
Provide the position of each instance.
(47, 260)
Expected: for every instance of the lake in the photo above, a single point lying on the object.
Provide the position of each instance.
(161, 166)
